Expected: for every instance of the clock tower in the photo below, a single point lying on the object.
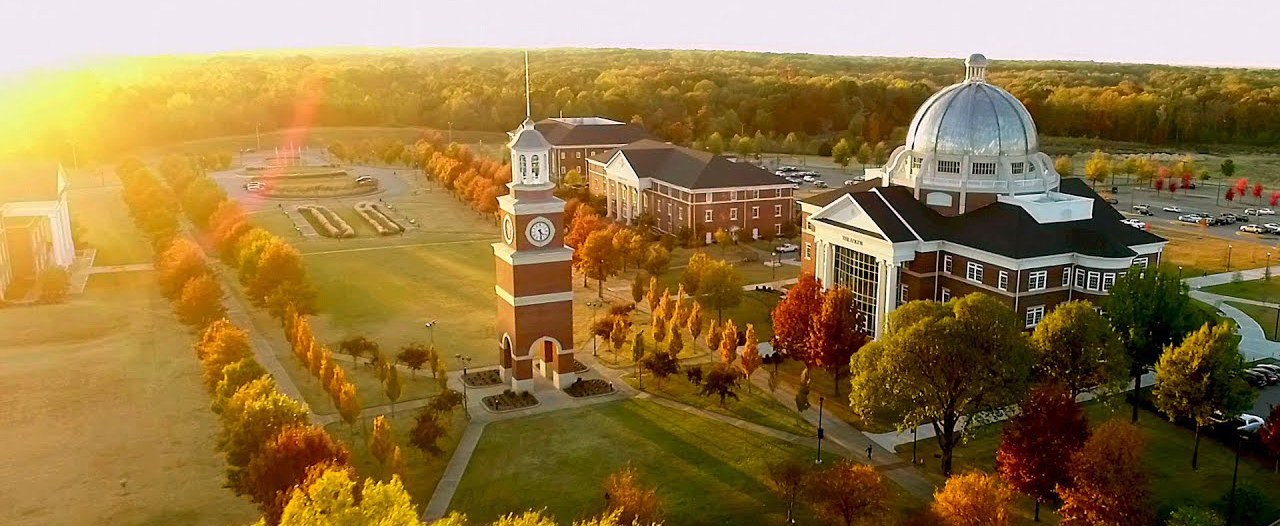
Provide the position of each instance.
(534, 279)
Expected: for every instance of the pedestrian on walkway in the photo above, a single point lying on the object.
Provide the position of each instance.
(868, 451)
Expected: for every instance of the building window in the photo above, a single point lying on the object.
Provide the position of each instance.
(808, 225)
(902, 294)
(733, 214)
(860, 273)
(707, 216)
(1140, 262)
(1017, 167)
(777, 210)
(1108, 280)
(755, 212)
(983, 168)
(1038, 280)
(577, 155)
(808, 250)
(915, 164)
(562, 155)
(708, 194)
(777, 229)
(1094, 280)
(1034, 315)
(1003, 282)
(755, 194)
(949, 167)
(535, 166)
(946, 294)
(523, 171)
(1031, 166)
(946, 264)
(973, 272)
(1080, 278)
(1066, 276)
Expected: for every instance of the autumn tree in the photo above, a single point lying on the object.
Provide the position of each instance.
(253, 415)
(391, 386)
(849, 493)
(1063, 165)
(598, 259)
(283, 463)
(728, 342)
(842, 152)
(651, 295)
(751, 359)
(334, 498)
(177, 264)
(694, 270)
(945, 364)
(200, 301)
(720, 288)
(660, 364)
(789, 477)
(1201, 378)
(1077, 347)
(414, 355)
(380, 442)
(635, 502)
(1107, 482)
(1269, 435)
(656, 261)
(659, 326)
(721, 381)
(675, 343)
(637, 288)
(1097, 167)
(1148, 310)
(618, 336)
(234, 376)
(359, 346)
(723, 238)
(220, 344)
(1038, 442)
(835, 334)
(428, 430)
(793, 318)
(713, 335)
(974, 499)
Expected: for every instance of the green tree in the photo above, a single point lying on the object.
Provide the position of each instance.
(721, 288)
(694, 270)
(714, 143)
(1064, 166)
(235, 376)
(842, 153)
(1077, 347)
(721, 381)
(414, 355)
(1202, 377)
(946, 364)
(391, 386)
(1149, 309)
(252, 417)
(863, 155)
(333, 499)
(380, 442)
(1097, 168)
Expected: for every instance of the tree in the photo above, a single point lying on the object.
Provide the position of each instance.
(947, 364)
(835, 334)
(750, 355)
(713, 335)
(721, 288)
(637, 354)
(255, 414)
(599, 260)
(793, 318)
(283, 463)
(1227, 168)
(637, 288)
(659, 327)
(1097, 168)
(849, 492)
(661, 364)
(348, 404)
(676, 342)
(1038, 442)
(656, 261)
(842, 152)
(414, 355)
(789, 477)
(723, 238)
(635, 502)
(714, 143)
(728, 342)
(428, 429)
(721, 381)
(664, 306)
(863, 155)
(396, 463)
(651, 295)
(1077, 347)
(358, 346)
(1063, 165)
(1202, 377)
(1108, 484)
(1230, 194)
(694, 322)
(1257, 191)
(618, 335)
(333, 498)
(235, 376)
(974, 499)
(802, 392)
(200, 301)
(391, 386)
(380, 442)
(1149, 309)
(220, 344)
(177, 264)
(1269, 435)
(694, 270)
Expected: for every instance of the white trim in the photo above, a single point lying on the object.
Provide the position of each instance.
(537, 299)
(510, 205)
(514, 257)
(897, 215)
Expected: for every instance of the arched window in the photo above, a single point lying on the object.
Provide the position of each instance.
(535, 166)
(523, 170)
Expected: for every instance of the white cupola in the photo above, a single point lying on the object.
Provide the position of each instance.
(530, 155)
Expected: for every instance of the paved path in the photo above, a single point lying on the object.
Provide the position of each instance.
(263, 350)
(1254, 344)
(108, 269)
(408, 245)
(300, 223)
(771, 284)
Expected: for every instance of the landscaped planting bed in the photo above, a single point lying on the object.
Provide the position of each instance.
(377, 218)
(510, 401)
(484, 378)
(593, 387)
(579, 367)
(326, 222)
(346, 188)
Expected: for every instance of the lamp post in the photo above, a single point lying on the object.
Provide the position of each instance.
(914, 441)
(1235, 472)
(594, 304)
(1228, 258)
(1179, 272)
(431, 325)
(465, 360)
(820, 431)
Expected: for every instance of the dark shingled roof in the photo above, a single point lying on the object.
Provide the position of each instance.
(999, 228)
(561, 133)
(28, 182)
(689, 168)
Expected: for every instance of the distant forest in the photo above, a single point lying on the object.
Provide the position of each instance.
(684, 96)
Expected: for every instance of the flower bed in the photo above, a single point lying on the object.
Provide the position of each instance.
(482, 378)
(377, 218)
(579, 367)
(509, 401)
(584, 388)
(326, 222)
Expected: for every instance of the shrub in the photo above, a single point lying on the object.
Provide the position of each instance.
(376, 218)
(53, 284)
(326, 222)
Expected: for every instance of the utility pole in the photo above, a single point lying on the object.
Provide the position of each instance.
(820, 431)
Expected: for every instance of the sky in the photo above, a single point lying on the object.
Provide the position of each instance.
(55, 34)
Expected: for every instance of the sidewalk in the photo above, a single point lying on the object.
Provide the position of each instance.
(1254, 344)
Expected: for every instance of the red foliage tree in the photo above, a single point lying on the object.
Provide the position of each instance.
(1270, 434)
(1159, 184)
(1275, 197)
(1257, 191)
(1173, 187)
(835, 334)
(1186, 179)
(1108, 483)
(283, 463)
(1037, 445)
(1231, 194)
(793, 317)
(1242, 186)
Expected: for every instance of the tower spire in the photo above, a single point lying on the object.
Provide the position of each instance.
(527, 113)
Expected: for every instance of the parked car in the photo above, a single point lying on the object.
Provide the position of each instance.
(1272, 227)
(1227, 218)
(819, 184)
(254, 186)
(1173, 209)
(849, 182)
(1250, 424)
(1270, 367)
(1255, 379)
(1135, 223)
(1272, 378)
(1142, 209)
(366, 180)
(1259, 212)
(788, 169)
(1190, 218)
(1113, 200)
(786, 247)
(1253, 229)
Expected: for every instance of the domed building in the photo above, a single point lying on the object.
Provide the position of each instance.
(969, 204)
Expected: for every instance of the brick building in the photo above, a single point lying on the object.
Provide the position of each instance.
(685, 188)
(573, 140)
(970, 204)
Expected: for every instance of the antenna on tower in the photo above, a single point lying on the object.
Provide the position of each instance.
(526, 85)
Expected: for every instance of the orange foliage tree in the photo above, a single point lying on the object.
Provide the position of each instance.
(1038, 443)
(974, 499)
(1107, 484)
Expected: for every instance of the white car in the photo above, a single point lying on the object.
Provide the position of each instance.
(1173, 209)
(1253, 229)
(1273, 227)
(787, 247)
(1259, 212)
(1190, 218)
(1135, 223)
(254, 186)
(1251, 423)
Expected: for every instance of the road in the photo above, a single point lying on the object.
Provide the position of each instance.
(392, 182)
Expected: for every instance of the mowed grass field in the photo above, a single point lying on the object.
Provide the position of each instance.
(1199, 253)
(102, 391)
(105, 225)
(704, 472)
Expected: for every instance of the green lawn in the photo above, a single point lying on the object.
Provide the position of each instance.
(1265, 316)
(106, 226)
(757, 405)
(821, 385)
(1258, 290)
(704, 472)
(1168, 461)
(1199, 253)
(423, 470)
(104, 389)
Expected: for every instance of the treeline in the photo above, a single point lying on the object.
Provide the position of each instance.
(682, 96)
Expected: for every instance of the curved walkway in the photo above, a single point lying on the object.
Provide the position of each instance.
(1254, 344)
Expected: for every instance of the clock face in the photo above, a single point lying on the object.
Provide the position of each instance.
(508, 230)
(540, 231)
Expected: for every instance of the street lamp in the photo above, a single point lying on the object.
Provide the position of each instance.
(431, 325)
(820, 431)
(594, 304)
(465, 360)
(1179, 272)
(1228, 258)
(1231, 507)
